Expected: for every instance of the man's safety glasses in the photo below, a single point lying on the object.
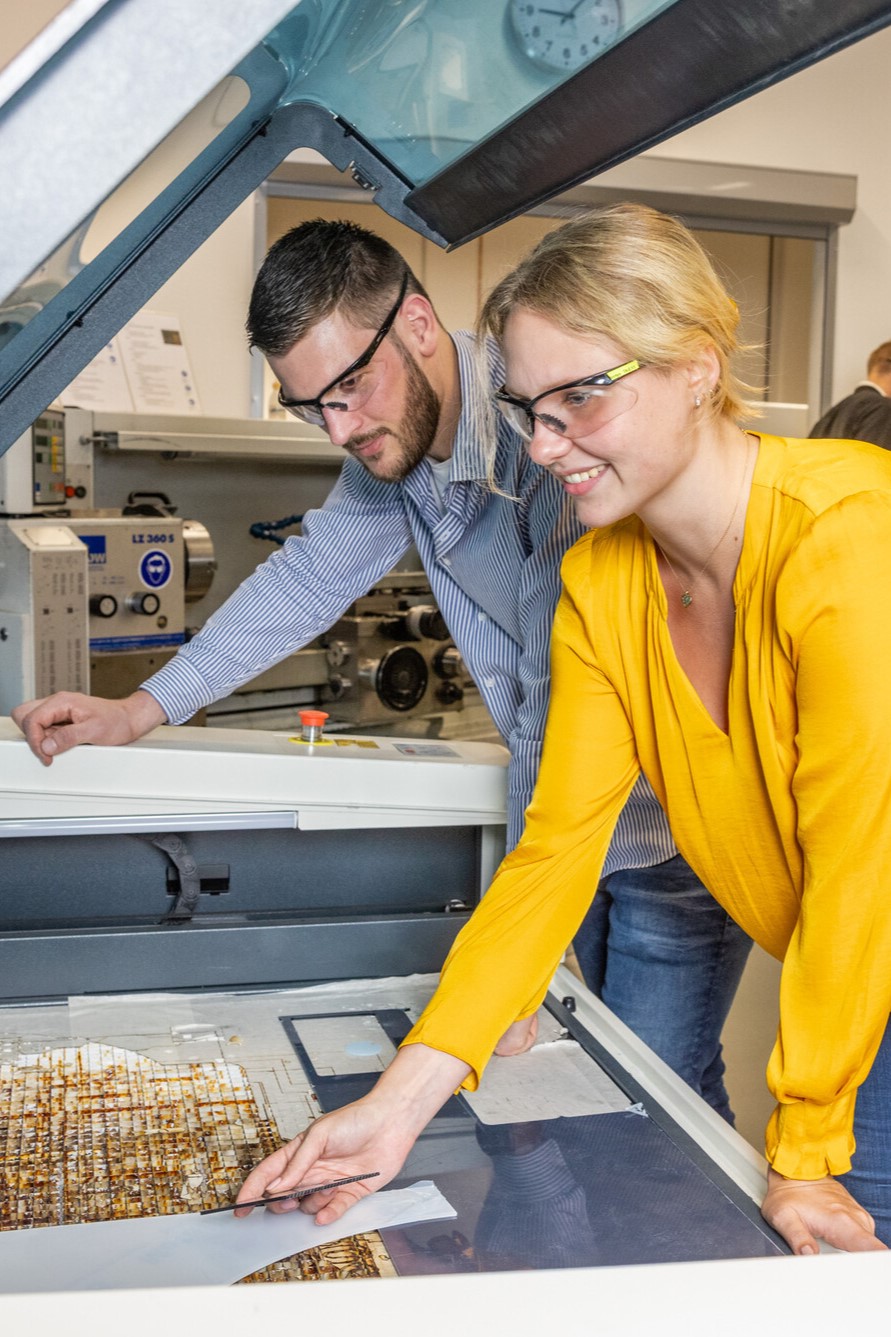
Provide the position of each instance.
(353, 387)
(574, 409)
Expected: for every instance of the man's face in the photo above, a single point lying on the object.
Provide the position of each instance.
(385, 414)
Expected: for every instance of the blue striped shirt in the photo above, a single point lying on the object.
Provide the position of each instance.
(493, 563)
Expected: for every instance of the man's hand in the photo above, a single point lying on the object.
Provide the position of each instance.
(56, 723)
(804, 1211)
(375, 1133)
(518, 1038)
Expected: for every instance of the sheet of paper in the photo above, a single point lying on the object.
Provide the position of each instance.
(189, 1249)
(145, 368)
(550, 1081)
(157, 364)
(102, 384)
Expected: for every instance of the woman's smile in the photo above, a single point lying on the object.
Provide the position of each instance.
(577, 484)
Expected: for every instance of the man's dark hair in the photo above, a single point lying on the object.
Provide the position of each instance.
(316, 268)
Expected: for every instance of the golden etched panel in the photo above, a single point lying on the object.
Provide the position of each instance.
(96, 1133)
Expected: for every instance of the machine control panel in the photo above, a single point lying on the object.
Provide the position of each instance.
(32, 472)
(43, 612)
(136, 578)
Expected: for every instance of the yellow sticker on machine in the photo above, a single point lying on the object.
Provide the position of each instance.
(336, 742)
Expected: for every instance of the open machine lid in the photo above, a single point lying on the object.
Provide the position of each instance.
(130, 129)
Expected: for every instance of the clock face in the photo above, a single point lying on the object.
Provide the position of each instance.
(565, 34)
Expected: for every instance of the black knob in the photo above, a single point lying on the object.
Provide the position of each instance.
(432, 624)
(447, 662)
(103, 605)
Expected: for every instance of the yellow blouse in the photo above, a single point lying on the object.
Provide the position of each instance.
(786, 818)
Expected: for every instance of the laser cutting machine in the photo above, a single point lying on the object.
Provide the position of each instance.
(283, 902)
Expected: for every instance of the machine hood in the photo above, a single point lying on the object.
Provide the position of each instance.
(130, 129)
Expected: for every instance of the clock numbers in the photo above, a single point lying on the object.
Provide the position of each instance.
(561, 35)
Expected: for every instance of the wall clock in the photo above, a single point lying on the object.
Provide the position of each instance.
(565, 34)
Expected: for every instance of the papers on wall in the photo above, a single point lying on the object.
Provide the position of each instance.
(143, 369)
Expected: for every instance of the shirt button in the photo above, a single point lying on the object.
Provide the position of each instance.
(482, 617)
(446, 561)
(490, 682)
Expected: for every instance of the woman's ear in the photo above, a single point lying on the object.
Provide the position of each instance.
(703, 373)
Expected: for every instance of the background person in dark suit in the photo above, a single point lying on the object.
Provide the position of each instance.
(864, 415)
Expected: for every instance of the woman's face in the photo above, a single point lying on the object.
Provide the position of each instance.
(642, 441)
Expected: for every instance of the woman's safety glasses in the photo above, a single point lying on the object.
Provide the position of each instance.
(575, 409)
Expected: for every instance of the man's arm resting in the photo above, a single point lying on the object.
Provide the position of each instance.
(54, 724)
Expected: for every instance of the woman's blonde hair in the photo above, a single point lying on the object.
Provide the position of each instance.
(637, 277)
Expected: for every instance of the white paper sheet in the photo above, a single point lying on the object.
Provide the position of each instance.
(189, 1249)
(553, 1079)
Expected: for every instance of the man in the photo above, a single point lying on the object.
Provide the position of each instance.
(865, 415)
(357, 348)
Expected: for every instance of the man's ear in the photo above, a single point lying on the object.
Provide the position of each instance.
(418, 326)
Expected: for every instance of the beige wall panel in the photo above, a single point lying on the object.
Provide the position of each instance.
(748, 1039)
(452, 280)
(22, 21)
(792, 284)
(743, 261)
(501, 249)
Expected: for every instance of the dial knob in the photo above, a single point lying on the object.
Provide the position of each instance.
(144, 603)
(447, 663)
(103, 605)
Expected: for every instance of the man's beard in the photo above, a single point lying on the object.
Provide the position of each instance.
(416, 431)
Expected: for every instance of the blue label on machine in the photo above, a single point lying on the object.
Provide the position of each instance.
(155, 569)
(95, 545)
(151, 642)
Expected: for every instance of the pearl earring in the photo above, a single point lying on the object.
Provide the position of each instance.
(698, 401)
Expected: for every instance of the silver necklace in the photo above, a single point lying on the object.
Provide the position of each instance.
(687, 590)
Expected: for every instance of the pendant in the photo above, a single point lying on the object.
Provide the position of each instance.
(686, 598)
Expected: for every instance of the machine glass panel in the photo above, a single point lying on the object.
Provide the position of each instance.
(426, 81)
(152, 176)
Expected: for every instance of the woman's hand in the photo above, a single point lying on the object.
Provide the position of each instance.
(804, 1211)
(355, 1140)
(375, 1133)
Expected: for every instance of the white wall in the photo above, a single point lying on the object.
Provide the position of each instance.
(829, 118)
(210, 294)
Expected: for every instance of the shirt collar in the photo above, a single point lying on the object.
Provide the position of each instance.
(469, 455)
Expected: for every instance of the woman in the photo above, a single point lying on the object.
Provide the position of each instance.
(724, 628)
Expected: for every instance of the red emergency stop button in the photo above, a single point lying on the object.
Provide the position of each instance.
(311, 724)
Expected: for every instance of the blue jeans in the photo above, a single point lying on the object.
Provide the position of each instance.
(666, 958)
(869, 1179)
